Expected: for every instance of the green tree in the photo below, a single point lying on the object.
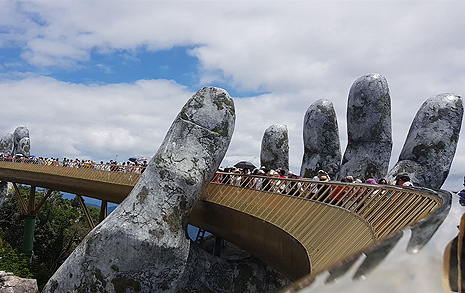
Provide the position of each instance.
(60, 226)
(14, 262)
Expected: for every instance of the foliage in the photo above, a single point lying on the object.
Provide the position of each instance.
(11, 261)
(60, 226)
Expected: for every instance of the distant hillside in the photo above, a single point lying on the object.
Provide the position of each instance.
(111, 206)
(91, 201)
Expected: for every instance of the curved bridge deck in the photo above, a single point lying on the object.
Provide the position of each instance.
(296, 226)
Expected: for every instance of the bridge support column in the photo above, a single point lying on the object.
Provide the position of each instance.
(28, 241)
(103, 210)
(86, 212)
(217, 246)
(30, 211)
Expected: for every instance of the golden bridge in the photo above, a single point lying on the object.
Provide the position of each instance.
(300, 227)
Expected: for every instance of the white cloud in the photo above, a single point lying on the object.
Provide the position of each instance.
(49, 53)
(102, 121)
(297, 52)
(98, 121)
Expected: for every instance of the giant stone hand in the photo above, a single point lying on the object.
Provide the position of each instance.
(6, 143)
(142, 246)
(21, 141)
(426, 155)
(428, 150)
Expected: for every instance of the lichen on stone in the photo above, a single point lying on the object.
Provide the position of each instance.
(221, 129)
(98, 275)
(222, 100)
(142, 195)
(121, 284)
(53, 285)
(174, 219)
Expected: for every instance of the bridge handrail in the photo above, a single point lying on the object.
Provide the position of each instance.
(387, 208)
(138, 169)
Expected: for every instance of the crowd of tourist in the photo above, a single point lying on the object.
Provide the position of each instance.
(125, 167)
(267, 179)
(401, 179)
(271, 180)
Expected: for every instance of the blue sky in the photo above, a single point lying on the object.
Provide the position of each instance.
(100, 79)
(123, 66)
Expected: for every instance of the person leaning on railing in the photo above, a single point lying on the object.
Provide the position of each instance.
(340, 191)
(293, 187)
(403, 180)
(266, 185)
(320, 174)
(258, 181)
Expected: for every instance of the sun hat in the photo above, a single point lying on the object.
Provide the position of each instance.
(371, 181)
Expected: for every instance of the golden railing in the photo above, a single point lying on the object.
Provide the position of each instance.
(310, 225)
(70, 165)
(98, 181)
(331, 220)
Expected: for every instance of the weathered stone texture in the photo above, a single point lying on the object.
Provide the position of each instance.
(142, 245)
(275, 147)
(6, 143)
(322, 149)
(21, 141)
(9, 283)
(431, 142)
(213, 274)
(3, 192)
(369, 129)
